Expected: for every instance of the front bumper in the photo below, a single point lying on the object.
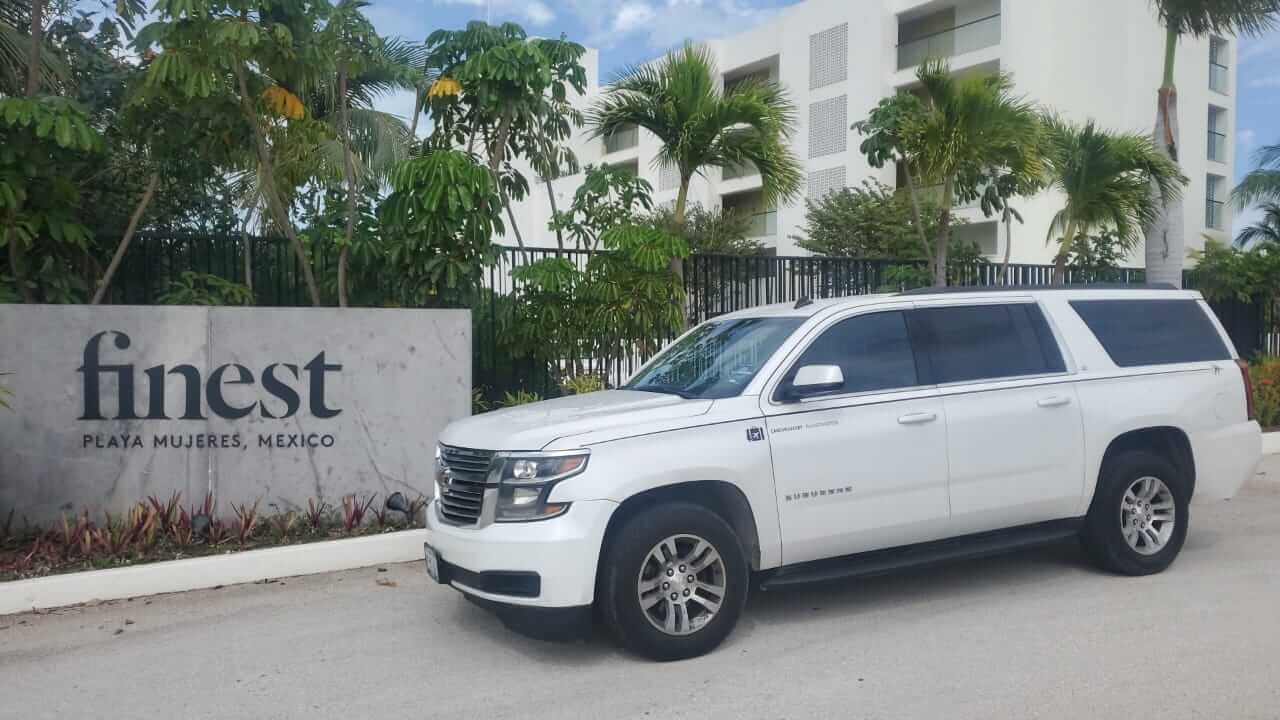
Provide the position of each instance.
(562, 553)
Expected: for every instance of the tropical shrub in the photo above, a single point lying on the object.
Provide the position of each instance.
(193, 288)
(1223, 271)
(1265, 374)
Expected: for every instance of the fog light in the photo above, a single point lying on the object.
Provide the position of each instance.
(525, 496)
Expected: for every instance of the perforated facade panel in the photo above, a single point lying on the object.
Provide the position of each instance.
(822, 182)
(828, 126)
(829, 56)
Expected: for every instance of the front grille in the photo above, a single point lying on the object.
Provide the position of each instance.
(467, 470)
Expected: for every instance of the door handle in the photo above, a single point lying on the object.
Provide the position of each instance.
(1053, 401)
(917, 418)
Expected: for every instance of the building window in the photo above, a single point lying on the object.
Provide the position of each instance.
(829, 56)
(1218, 70)
(948, 32)
(733, 171)
(623, 139)
(762, 219)
(828, 126)
(1213, 203)
(1217, 134)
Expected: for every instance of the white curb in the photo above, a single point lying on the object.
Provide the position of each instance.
(1271, 443)
(205, 572)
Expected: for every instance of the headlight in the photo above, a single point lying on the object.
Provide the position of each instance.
(527, 479)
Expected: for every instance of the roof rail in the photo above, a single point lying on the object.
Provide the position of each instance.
(1036, 288)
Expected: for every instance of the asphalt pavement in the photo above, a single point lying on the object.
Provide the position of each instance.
(1037, 634)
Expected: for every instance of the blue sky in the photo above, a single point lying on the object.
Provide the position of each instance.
(630, 31)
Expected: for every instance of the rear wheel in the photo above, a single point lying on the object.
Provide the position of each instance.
(1138, 520)
(673, 581)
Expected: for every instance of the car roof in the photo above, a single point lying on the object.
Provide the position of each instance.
(805, 308)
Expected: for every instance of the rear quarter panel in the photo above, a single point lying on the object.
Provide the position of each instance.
(1205, 400)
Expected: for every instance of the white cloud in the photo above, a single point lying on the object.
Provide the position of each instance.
(632, 16)
(535, 12)
(671, 22)
(1246, 138)
(538, 13)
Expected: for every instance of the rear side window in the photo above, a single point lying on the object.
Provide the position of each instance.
(986, 342)
(1152, 332)
(873, 352)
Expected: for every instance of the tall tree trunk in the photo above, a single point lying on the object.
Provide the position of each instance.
(1165, 239)
(419, 99)
(498, 143)
(37, 45)
(123, 247)
(348, 167)
(918, 217)
(677, 219)
(944, 236)
(247, 244)
(17, 262)
(515, 227)
(1008, 245)
(1060, 260)
(274, 203)
(551, 197)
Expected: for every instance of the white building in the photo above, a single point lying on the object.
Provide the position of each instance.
(1099, 59)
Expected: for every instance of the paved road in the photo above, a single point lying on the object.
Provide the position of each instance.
(1037, 634)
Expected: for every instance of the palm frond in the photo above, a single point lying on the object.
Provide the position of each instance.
(1219, 17)
(1263, 182)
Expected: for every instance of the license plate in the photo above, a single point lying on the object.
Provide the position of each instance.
(433, 562)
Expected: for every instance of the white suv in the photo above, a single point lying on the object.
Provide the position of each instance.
(837, 438)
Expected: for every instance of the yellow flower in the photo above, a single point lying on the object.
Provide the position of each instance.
(283, 103)
(444, 86)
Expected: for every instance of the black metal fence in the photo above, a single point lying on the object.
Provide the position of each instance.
(714, 285)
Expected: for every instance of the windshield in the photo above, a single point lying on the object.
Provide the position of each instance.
(717, 359)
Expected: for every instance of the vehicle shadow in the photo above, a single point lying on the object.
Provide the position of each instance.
(951, 583)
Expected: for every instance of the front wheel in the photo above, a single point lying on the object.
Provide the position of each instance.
(1138, 520)
(673, 581)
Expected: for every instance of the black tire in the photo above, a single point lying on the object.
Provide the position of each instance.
(1103, 533)
(620, 571)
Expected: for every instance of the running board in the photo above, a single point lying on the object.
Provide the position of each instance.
(879, 562)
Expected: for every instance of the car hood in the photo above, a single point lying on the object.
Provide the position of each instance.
(534, 426)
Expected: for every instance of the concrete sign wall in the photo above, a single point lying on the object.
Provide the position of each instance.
(111, 404)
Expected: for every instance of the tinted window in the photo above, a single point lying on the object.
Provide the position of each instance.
(982, 342)
(873, 352)
(1152, 332)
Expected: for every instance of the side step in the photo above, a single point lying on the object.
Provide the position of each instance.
(879, 562)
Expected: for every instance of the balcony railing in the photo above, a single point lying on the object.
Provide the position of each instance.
(763, 224)
(1213, 213)
(1219, 76)
(961, 39)
(622, 140)
(738, 170)
(1217, 146)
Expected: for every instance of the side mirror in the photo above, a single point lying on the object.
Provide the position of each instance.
(816, 379)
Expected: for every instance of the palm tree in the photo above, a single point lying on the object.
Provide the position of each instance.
(1263, 182)
(700, 125)
(1266, 230)
(972, 130)
(1197, 18)
(1107, 179)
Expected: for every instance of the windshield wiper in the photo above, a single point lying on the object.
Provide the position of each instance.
(666, 390)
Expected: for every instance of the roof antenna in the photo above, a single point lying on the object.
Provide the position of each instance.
(802, 302)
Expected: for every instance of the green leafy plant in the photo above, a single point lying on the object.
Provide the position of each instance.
(193, 288)
(869, 221)
(519, 397)
(246, 520)
(581, 384)
(1223, 271)
(702, 123)
(316, 514)
(441, 214)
